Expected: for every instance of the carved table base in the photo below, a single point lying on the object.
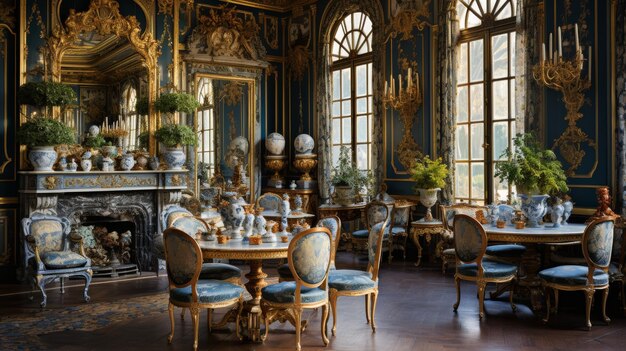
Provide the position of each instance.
(427, 230)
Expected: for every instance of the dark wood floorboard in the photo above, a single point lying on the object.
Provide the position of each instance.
(414, 312)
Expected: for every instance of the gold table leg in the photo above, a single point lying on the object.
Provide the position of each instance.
(416, 240)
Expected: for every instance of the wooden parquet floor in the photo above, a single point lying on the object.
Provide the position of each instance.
(414, 313)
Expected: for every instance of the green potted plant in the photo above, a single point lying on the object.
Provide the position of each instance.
(535, 172)
(94, 141)
(41, 134)
(429, 177)
(348, 179)
(176, 102)
(46, 94)
(173, 137)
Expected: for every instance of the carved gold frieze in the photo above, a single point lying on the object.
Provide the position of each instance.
(565, 76)
(406, 20)
(108, 181)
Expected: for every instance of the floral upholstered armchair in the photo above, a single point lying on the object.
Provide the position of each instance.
(51, 253)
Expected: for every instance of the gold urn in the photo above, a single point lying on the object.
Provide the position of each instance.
(305, 163)
(275, 163)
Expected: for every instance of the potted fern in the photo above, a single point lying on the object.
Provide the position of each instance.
(535, 172)
(429, 177)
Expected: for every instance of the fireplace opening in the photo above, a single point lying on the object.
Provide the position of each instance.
(109, 242)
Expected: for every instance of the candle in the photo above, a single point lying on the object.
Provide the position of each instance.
(393, 87)
(385, 90)
(550, 47)
(408, 78)
(576, 35)
(543, 52)
(589, 63)
(560, 42)
(399, 85)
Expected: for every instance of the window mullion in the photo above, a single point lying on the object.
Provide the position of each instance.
(487, 138)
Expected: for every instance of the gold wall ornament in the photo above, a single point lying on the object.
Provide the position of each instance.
(166, 7)
(109, 181)
(298, 61)
(7, 21)
(50, 182)
(405, 21)
(177, 180)
(564, 76)
(270, 30)
(231, 94)
(225, 32)
(407, 101)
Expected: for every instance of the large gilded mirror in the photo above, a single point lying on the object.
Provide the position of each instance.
(111, 63)
(225, 126)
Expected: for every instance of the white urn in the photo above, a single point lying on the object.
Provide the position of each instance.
(304, 144)
(275, 144)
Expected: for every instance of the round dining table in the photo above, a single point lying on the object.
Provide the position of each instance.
(254, 255)
(531, 260)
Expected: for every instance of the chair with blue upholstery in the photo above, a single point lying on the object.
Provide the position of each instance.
(506, 253)
(373, 211)
(309, 256)
(347, 282)
(597, 245)
(470, 241)
(51, 252)
(184, 265)
(332, 223)
(270, 202)
(400, 219)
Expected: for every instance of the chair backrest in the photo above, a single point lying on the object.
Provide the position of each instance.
(400, 216)
(332, 223)
(183, 259)
(470, 239)
(309, 257)
(598, 244)
(171, 213)
(376, 212)
(50, 232)
(269, 202)
(375, 246)
(449, 211)
(190, 225)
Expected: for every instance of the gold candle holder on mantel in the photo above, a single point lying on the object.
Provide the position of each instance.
(407, 101)
(555, 72)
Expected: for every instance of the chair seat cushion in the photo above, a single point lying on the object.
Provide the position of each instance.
(209, 291)
(506, 250)
(361, 233)
(572, 275)
(491, 269)
(285, 292)
(398, 230)
(350, 280)
(63, 259)
(219, 271)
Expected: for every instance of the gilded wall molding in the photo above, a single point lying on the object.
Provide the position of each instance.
(7, 21)
(166, 7)
(403, 22)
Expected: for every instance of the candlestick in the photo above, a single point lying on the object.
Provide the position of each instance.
(576, 35)
(550, 47)
(543, 53)
(560, 43)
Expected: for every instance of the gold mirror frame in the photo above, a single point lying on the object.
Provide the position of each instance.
(103, 17)
(250, 135)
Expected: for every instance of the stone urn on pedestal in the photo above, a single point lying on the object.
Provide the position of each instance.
(428, 198)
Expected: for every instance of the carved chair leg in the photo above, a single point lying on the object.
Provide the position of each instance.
(333, 305)
(481, 299)
(374, 300)
(556, 301)
(325, 323)
(266, 319)
(238, 319)
(457, 284)
(588, 303)
(605, 295)
(170, 309)
(62, 284)
(367, 308)
(209, 318)
(41, 283)
(298, 317)
(195, 318)
(87, 276)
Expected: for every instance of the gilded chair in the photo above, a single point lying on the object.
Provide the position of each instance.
(270, 202)
(400, 219)
(373, 212)
(347, 282)
(470, 241)
(507, 253)
(597, 244)
(184, 265)
(332, 223)
(309, 256)
(51, 252)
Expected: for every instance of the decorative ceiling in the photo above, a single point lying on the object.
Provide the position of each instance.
(273, 5)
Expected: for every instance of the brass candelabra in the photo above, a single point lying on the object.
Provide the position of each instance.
(406, 102)
(565, 76)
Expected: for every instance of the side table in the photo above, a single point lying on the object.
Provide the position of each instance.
(426, 229)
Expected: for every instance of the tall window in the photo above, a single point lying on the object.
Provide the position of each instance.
(485, 120)
(206, 125)
(351, 67)
(129, 113)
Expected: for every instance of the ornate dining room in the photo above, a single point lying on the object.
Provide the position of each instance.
(312, 174)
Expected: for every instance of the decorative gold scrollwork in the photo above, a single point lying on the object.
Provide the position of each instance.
(50, 182)
(406, 20)
(108, 181)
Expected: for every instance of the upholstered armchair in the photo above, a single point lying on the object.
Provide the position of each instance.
(309, 257)
(51, 253)
(332, 223)
(184, 266)
(375, 212)
(348, 282)
(470, 241)
(400, 219)
(597, 245)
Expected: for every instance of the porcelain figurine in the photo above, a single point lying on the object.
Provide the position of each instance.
(304, 144)
(72, 166)
(259, 222)
(269, 236)
(492, 215)
(568, 207)
(248, 222)
(284, 211)
(293, 185)
(297, 201)
(128, 162)
(275, 144)
(556, 213)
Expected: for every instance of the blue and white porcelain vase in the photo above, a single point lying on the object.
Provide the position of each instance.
(42, 157)
(557, 213)
(259, 222)
(492, 214)
(85, 164)
(248, 222)
(275, 144)
(174, 157)
(534, 208)
(128, 162)
(304, 144)
(568, 207)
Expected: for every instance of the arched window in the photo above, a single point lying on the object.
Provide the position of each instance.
(206, 126)
(129, 113)
(351, 82)
(485, 103)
